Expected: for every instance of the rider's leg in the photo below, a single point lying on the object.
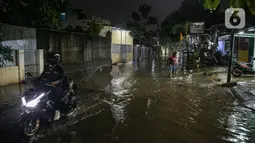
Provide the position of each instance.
(57, 103)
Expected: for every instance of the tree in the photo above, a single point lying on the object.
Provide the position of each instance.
(39, 13)
(94, 29)
(140, 22)
(47, 16)
(3, 6)
(108, 34)
(246, 4)
(6, 53)
(190, 10)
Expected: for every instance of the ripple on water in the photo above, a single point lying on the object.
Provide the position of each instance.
(185, 109)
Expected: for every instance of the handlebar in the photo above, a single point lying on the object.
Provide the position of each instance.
(48, 84)
(37, 81)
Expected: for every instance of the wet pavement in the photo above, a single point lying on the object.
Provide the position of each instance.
(137, 103)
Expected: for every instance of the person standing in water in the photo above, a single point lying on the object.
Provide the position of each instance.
(172, 63)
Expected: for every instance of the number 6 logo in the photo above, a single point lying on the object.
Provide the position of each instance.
(235, 18)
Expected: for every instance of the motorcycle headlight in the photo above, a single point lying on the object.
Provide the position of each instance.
(33, 102)
(23, 101)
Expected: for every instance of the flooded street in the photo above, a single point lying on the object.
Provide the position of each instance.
(137, 103)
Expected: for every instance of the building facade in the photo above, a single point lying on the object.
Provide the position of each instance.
(75, 17)
(122, 45)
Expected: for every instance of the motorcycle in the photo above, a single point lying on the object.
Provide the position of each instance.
(37, 108)
(240, 68)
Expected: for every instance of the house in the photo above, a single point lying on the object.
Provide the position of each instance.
(122, 45)
(244, 45)
(75, 18)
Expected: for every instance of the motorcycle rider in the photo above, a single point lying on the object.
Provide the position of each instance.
(54, 73)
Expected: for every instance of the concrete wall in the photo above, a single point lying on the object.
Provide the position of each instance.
(9, 75)
(13, 74)
(74, 47)
(141, 52)
(18, 37)
(21, 38)
(122, 45)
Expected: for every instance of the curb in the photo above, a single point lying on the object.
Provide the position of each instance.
(235, 94)
(240, 92)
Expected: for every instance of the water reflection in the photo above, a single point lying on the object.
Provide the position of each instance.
(119, 90)
(144, 106)
(153, 66)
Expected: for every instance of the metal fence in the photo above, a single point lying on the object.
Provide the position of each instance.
(31, 63)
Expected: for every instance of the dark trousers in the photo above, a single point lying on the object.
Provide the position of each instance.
(56, 95)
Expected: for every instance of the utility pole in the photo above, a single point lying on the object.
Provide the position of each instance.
(157, 40)
(187, 42)
(158, 35)
(232, 40)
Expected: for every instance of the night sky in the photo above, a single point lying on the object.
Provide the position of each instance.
(119, 11)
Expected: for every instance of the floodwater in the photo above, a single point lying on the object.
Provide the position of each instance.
(137, 103)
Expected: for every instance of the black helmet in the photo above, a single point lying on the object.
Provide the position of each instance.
(53, 58)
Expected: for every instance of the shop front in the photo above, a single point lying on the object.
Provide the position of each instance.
(224, 44)
(244, 45)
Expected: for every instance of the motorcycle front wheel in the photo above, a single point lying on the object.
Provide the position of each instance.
(236, 72)
(31, 126)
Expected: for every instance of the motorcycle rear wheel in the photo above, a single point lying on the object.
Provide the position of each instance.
(31, 126)
(236, 72)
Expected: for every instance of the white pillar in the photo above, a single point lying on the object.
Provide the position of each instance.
(20, 64)
(40, 61)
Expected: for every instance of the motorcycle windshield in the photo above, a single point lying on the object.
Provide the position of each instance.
(37, 91)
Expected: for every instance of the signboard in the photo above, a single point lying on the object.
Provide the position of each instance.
(196, 28)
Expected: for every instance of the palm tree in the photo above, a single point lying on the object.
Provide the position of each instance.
(140, 22)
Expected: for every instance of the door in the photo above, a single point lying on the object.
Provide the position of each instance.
(243, 50)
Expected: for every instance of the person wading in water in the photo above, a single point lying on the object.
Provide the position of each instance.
(172, 63)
